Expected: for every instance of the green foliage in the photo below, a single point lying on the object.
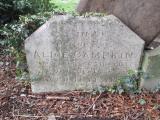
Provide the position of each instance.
(18, 7)
(20, 63)
(128, 83)
(27, 16)
(125, 84)
(5, 4)
(67, 6)
(15, 6)
(22, 6)
(13, 34)
(42, 5)
(142, 102)
(94, 14)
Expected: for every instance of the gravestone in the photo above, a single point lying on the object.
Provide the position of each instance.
(78, 53)
(151, 68)
(142, 16)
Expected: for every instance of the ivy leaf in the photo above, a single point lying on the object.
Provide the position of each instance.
(142, 102)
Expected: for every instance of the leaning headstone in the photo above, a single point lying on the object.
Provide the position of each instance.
(151, 68)
(73, 53)
(142, 16)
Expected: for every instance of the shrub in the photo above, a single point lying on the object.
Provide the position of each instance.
(11, 9)
(13, 34)
(67, 6)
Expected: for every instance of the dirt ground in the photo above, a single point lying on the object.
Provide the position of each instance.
(17, 102)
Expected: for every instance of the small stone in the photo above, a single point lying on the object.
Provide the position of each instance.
(23, 95)
(7, 63)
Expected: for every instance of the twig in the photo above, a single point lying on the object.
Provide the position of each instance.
(93, 104)
(51, 97)
(2, 81)
(140, 114)
(58, 98)
(29, 116)
(35, 97)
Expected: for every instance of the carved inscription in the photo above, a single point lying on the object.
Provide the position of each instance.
(111, 54)
(86, 62)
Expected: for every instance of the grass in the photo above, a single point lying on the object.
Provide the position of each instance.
(65, 5)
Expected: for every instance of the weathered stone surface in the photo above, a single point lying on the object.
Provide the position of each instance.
(69, 53)
(142, 16)
(155, 43)
(151, 68)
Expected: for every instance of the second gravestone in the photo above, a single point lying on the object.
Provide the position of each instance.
(70, 53)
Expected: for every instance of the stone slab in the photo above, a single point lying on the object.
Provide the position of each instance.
(151, 68)
(78, 53)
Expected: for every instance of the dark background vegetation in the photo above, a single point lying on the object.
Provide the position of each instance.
(20, 18)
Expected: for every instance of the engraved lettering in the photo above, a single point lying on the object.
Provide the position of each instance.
(36, 54)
